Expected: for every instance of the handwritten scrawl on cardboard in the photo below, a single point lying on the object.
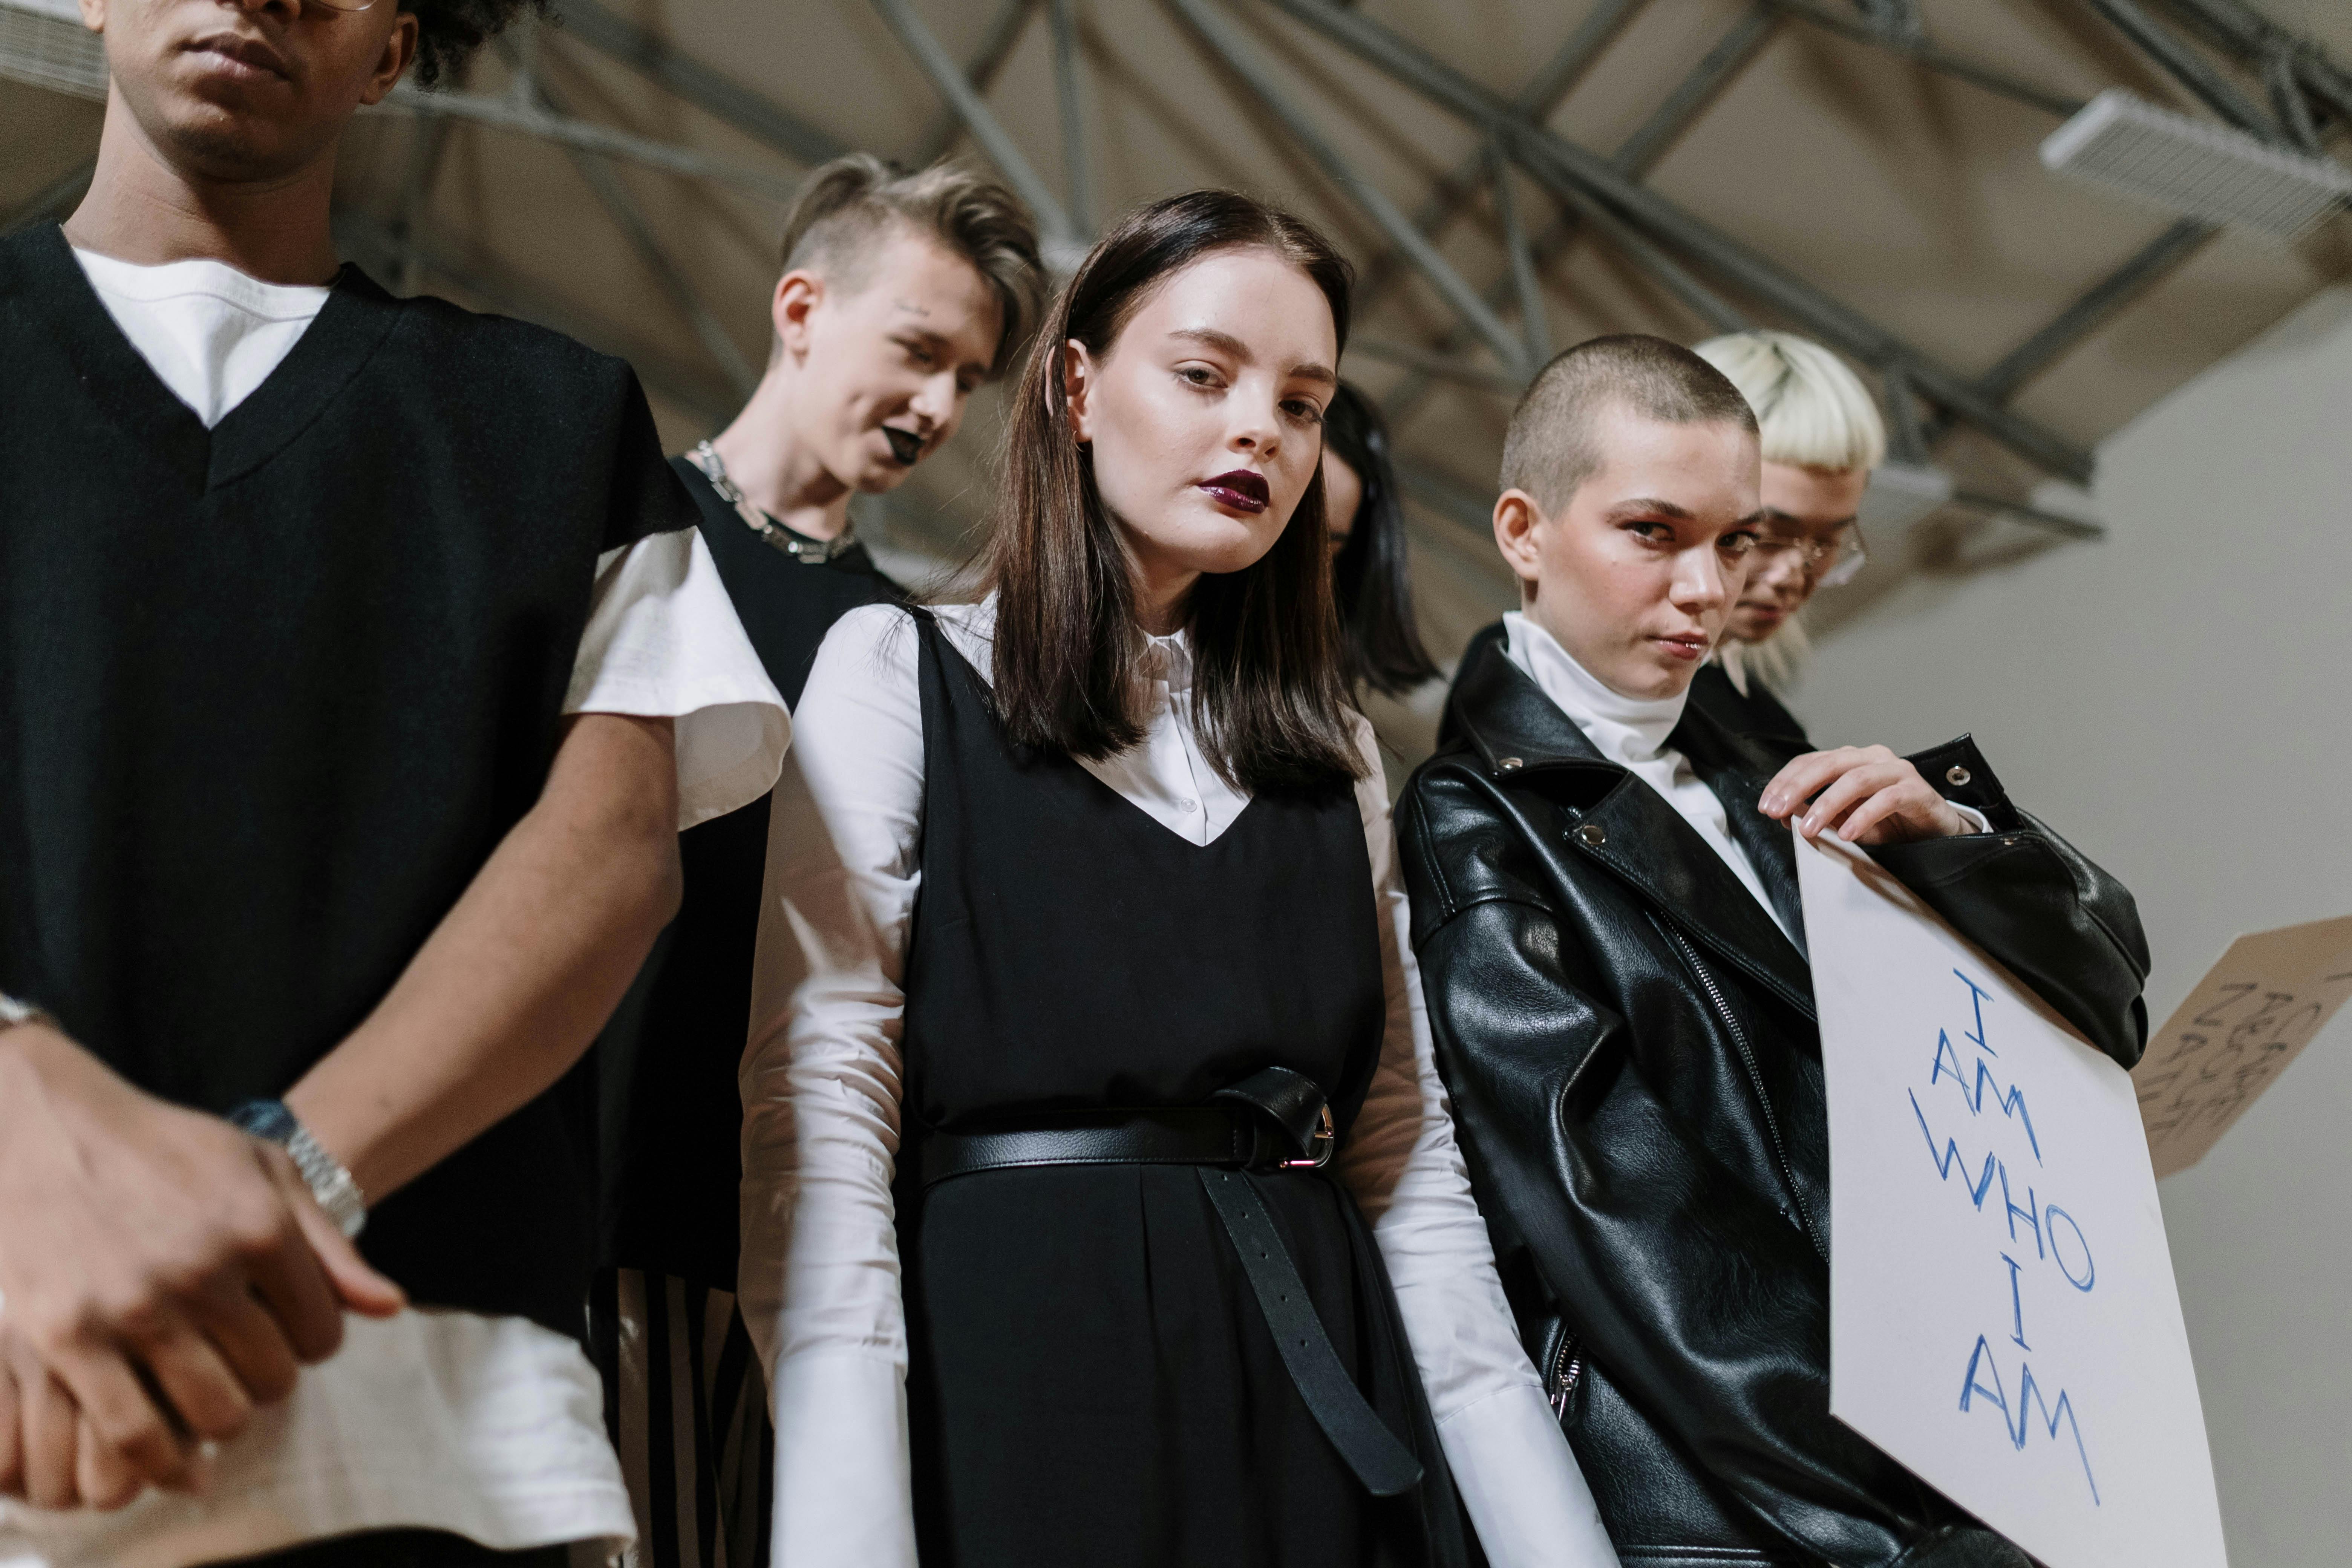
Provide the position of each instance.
(2002, 1313)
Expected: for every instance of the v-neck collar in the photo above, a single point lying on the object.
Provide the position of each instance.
(356, 319)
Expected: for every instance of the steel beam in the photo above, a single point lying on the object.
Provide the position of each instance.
(2287, 101)
(653, 57)
(1536, 101)
(1227, 41)
(2094, 306)
(1688, 98)
(955, 89)
(1926, 55)
(1077, 161)
(2033, 516)
(2251, 37)
(510, 114)
(1430, 362)
(57, 197)
(2190, 68)
(1535, 323)
(629, 217)
(996, 46)
(1566, 167)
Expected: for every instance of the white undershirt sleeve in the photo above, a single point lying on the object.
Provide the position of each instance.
(819, 1286)
(1519, 1481)
(663, 641)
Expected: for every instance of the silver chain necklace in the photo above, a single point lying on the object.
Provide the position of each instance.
(807, 552)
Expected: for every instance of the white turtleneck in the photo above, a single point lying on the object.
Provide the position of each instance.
(1632, 732)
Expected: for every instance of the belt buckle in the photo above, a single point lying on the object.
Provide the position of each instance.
(1326, 1139)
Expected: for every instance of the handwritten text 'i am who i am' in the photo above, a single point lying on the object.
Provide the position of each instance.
(2059, 1246)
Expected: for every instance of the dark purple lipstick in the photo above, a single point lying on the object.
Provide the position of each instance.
(1241, 489)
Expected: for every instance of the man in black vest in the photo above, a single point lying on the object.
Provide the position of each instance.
(901, 295)
(358, 663)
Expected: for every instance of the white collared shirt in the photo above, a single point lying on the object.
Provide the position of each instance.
(820, 1285)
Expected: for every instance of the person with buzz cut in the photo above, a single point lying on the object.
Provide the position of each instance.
(1612, 950)
(360, 663)
(1821, 436)
(901, 295)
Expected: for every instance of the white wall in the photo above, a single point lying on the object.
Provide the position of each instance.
(2175, 700)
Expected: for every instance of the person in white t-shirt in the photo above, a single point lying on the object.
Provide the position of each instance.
(364, 663)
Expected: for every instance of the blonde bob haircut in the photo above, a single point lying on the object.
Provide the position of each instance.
(1812, 411)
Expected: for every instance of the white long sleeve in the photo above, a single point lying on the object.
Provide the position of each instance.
(822, 1078)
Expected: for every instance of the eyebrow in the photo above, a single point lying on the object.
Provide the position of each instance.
(1775, 514)
(1225, 343)
(1652, 504)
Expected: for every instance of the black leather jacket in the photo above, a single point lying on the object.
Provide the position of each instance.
(1631, 1047)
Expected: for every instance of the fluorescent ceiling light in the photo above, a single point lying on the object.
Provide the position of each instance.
(2127, 145)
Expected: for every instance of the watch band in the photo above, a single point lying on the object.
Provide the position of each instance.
(328, 1182)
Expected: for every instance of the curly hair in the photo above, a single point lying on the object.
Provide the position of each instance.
(450, 31)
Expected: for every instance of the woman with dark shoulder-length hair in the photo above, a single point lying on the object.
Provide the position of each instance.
(1102, 1201)
(1371, 576)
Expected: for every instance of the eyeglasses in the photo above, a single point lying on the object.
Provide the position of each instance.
(1827, 561)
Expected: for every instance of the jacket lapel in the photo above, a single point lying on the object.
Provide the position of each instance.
(1630, 829)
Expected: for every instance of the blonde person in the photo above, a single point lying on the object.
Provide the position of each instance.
(1822, 436)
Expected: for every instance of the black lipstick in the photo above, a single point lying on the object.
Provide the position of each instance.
(905, 445)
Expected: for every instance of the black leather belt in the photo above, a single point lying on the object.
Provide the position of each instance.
(1272, 1121)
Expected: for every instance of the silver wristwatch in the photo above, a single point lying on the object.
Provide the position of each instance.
(328, 1182)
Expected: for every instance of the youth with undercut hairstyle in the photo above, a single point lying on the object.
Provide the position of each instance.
(1101, 1202)
(1605, 910)
(901, 295)
(362, 665)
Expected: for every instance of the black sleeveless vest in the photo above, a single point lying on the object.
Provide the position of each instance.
(270, 694)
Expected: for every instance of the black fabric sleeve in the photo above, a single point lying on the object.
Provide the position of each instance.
(646, 497)
(2037, 904)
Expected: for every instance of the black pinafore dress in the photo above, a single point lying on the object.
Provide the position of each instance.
(1092, 1380)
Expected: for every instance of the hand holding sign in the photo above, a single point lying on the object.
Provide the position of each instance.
(2002, 1314)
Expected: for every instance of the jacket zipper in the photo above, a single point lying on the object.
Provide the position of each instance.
(1559, 1378)
(1755, 1076)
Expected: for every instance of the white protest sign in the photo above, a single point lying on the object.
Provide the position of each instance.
(2248, 1018)
(2002, 1314)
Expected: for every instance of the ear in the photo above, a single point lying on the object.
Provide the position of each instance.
(93, 14)
(798, 294)
(399, 50)
(1517, 519)
(1077, 390)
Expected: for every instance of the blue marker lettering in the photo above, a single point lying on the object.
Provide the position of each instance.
(2031, 1211)
(1951, 1157)
(2090, 1270)
(1976, 993)
(2016, 1304)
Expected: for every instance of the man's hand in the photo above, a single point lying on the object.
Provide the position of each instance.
(1866, 793)
(161, 1273)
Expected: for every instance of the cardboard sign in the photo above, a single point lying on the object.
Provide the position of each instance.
(2249, 1016)
(2002, 1314)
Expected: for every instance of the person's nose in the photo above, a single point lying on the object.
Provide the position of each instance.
(1701, 586)
(935, 400)
(1257, 429)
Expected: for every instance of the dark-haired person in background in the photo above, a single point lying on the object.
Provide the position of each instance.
(900, 296)
(1604, 902)
(1370, 575)
(362, 664)
(1101, 1200)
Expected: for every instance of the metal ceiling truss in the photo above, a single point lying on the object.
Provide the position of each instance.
(2303, 96)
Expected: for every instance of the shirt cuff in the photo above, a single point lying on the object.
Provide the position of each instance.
(1520, 1486)
(843, 1498)
(663, 642)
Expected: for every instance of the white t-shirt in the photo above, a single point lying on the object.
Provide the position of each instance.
(489, 1427)
(820, 1283)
